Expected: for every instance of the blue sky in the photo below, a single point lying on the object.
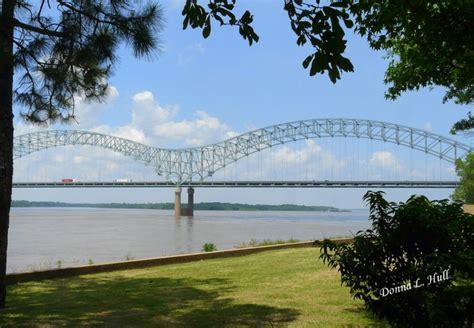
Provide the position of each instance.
(199, 90)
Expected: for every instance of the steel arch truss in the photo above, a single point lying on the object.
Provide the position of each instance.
(187, 164)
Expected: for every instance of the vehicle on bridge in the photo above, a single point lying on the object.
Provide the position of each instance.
(123, 180)
(68, 180)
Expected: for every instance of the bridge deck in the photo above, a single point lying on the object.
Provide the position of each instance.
(245, 184)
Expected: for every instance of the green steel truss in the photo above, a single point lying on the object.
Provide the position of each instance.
(188, 164)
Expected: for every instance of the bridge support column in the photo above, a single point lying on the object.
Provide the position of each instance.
(177, 202)
(190, 209)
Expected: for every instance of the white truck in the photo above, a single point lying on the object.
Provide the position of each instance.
(123, 180)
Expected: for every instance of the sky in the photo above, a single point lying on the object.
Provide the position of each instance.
(197, 91)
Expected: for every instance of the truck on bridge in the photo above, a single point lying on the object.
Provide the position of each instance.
(123, 180)
(68, 180)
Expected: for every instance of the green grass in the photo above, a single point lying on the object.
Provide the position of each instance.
(290, 287)
(265, 242)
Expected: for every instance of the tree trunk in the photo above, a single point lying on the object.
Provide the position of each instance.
(6, 134)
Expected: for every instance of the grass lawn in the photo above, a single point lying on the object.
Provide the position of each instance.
(277, 288)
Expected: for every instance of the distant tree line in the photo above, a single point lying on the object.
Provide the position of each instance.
(213, 206)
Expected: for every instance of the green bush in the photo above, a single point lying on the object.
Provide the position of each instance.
(266, 242)
(397, 266)
(59, 264)
(465, 171)
(209, 247)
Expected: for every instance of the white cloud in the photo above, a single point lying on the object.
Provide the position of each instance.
(304, 160)
(147, 112)
(150, 123)
(290, 155)
(201, 130)
(385, 159)
(24, 128)
(126, 132)
(145, 96)
(157, 125)
(89, 113)
(310, 154)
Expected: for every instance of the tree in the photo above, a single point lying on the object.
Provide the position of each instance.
(465, 171)
(464, 125)
(415, 266)
(59, 52)
(430, 42)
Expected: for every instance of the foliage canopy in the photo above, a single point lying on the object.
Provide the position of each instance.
(67, 52)
(395, 267)
(430, 42)
(465, 171)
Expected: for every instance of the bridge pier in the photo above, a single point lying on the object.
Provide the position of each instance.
(178, 209)
(177, 202)
(190, 208)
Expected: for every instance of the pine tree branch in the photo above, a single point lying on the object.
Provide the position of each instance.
(91, 17)
(39, 30)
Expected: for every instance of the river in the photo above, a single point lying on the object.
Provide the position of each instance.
(45, 238)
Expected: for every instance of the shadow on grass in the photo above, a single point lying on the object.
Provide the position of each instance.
(361, 310)
(160, 302)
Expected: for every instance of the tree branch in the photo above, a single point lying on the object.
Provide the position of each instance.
(91, 17)
(39, 30)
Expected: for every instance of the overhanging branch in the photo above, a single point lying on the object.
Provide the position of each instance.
(39, 30)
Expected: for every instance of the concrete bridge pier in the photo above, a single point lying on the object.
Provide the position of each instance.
(178, 210)
(190, 208)
(177, 202)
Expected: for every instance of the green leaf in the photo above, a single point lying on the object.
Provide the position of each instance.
(336, 28)
(349, 23)
(334, 74)
(307, 61)
(304, 25)
(246, 18)
(301, 40)
(185, 22)
(345, 64)
(318, 65)
(207, 28)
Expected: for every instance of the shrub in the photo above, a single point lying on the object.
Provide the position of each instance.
(465, 171)
(59, 264)
(129, 257)
(209, 247)
(266, 242)
(391, 266)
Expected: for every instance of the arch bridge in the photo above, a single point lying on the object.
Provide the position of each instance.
(184, 165)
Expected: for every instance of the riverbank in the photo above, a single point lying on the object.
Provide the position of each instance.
(152, 262)
(276, 288)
